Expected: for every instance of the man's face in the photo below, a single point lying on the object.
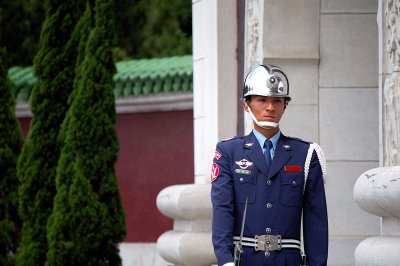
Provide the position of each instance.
(267, 108)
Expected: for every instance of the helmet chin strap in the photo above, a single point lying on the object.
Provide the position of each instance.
(263, 124)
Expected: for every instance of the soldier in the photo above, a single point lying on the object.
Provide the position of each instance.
(265, 183)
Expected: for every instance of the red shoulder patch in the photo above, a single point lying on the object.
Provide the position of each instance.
(214, 172)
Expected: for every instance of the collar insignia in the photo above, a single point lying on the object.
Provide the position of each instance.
(249, 144)
(243, 164)
(287, 146)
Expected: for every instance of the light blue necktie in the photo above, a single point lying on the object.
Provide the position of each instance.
(267, 153)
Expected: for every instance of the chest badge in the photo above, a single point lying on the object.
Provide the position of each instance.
(287, 147)
(244, 164)
(248, 144)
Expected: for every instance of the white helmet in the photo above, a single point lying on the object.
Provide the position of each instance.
(266, 80)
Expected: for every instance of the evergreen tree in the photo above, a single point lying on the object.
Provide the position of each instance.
(10, 148)
(87, 223)
(154, 28)
(78, 39)
(20, 29)
(145, 28)
(54, 67)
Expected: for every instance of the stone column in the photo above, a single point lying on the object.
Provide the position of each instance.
(377, 190)
(214, 116)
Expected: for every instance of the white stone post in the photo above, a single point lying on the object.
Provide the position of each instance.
(214, 116)
(377, 191)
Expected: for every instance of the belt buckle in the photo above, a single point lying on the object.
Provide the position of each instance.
(268, 242)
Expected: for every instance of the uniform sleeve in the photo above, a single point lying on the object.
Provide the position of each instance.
(222, 201)
(315, 217)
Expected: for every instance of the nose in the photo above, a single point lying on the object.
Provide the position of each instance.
(269, 105)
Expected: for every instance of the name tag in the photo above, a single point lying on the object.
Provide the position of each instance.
(243, 171)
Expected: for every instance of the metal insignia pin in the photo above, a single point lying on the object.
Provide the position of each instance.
(243, 164)
(249, 144)
(286, 146)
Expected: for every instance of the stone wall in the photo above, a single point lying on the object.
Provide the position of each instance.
(329, 49)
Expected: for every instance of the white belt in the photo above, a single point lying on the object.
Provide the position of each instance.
(268, 242)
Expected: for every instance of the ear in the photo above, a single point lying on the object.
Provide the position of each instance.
(245, 106)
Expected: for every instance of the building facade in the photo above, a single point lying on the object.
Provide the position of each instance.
(330, 51)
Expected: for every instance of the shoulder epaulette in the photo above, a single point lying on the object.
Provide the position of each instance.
(301, 140)
(235, 137)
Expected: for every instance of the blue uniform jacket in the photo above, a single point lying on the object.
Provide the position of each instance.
(275, 201)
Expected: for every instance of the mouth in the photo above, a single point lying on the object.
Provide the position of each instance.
(269, 117)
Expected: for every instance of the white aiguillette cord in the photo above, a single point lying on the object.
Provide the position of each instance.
(322, 161)
(321, 158)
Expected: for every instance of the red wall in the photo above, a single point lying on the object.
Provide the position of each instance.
(156, 151)
(24, 122)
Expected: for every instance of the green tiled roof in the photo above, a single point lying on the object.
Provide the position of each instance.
(133, 77)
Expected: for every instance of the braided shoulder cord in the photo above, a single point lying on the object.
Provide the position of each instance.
(321, 158)
(322, 161)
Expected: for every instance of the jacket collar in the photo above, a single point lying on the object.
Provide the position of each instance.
(283, 152)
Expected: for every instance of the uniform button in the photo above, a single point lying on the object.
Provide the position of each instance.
(269, 205)
(294, 183)
(269, 182)
(267, 254)
(268, 230)
(241, 179)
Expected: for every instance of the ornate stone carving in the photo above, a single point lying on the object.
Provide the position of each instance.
(392, 9)
(253, 33)
(391, 120)
(391, 84)
(253, 44)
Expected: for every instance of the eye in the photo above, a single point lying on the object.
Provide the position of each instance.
(261, 99)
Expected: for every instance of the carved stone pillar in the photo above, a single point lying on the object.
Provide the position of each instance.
(253, 44)
(377, 190)
(390, 73)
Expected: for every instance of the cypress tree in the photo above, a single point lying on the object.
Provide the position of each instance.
(87, 223)
(54, 67)
(78, 39)
(10, 148)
